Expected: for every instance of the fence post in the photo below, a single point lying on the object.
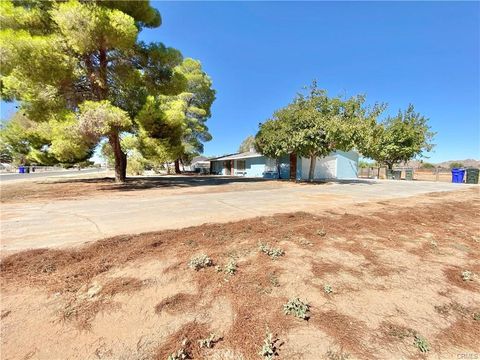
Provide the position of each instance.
(436, 174)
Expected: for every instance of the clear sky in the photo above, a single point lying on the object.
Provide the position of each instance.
(259, 54)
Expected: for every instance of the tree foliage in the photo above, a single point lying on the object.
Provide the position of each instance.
(247, 144)
(81, 77)
(427, 165)
(400, 138)
(456, 165)
(314, 125)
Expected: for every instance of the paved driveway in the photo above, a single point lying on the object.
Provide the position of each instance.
(69, 222)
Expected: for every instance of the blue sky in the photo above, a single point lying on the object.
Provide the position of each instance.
(259, 54)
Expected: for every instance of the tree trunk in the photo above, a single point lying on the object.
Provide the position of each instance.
(311, 172)
(120, 158)
(177, 167)
(103, 73)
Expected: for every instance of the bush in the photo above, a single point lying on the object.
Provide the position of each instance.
(427, 166)
(271, 251)
(454, 165)
(297, 308)
(421, 343)
(135, 165)
(269, 347)
(199, 262)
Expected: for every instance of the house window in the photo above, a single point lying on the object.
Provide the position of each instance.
(270, 164)
(241, 165)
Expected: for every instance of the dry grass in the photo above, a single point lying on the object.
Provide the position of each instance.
(192, 333)
(176, 303)
(389, 245)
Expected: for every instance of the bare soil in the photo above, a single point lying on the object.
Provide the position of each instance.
(78, 188)
(395, 271)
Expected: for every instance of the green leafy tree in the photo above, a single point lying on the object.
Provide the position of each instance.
(198, 97)
(315, 125)
(26, 141)
(79, 72)
(247, 144)
(427, 165)
(456, 165)
(362, 164)
(400, 138)
(273, 138)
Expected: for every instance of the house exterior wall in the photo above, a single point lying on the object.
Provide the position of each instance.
(254, 167)
(347, 165)
(338, 165)
(325, 168)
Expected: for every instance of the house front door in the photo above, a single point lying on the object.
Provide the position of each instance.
(293, 166)
(227, 167)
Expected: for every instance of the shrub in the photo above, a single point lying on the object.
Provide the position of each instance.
(427, 166)
(231, 267)
(180, 354)
(456, 165)
(269, 347)
(467, 275)
(271, 251)
(327, 288)
(333, 355)
(274, 280)
(297, 308)
(200, 261)
(421, 343)
(321, 232)
(208, 342)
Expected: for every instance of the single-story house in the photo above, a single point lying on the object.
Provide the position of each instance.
(200, 164)
(338, 165)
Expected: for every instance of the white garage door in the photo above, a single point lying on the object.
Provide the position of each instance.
(325, 168)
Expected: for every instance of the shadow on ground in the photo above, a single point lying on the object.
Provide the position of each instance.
(152, 182)
(182, 181)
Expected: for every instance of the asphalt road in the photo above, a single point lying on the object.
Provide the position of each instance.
(46, 174)
(59, 223)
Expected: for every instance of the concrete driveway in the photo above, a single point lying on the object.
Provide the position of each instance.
(71, 222)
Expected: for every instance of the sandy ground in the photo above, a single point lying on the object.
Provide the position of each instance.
(73, 211)
(394, 266)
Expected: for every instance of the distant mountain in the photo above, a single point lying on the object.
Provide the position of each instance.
(466, 163)
(445, 164)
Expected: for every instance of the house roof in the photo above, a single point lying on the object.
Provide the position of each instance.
(238, 156)
(199, 159)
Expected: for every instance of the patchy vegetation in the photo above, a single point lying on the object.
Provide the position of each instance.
(297, 308)
(327, 288)
(421, 343)
(142, 283)
(271, 251)
(269, 348)
(209, 342)
(199, 262)
(467, 275)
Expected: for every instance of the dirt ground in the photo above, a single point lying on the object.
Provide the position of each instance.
(396, 272)
(81, 188)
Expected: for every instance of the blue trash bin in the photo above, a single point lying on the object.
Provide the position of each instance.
(21, 170)
(457, 175)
